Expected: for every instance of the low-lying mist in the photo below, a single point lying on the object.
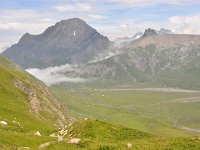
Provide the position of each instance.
(54, 75)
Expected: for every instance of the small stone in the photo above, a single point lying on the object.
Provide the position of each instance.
(4, 123)
(23, 148)
(52, 135)
(74, 140)
(129, 145)
(37, 133)
(44, 145)
(60, 138)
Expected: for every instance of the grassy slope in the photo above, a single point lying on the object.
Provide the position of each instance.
(98, 135)
(147, 111)
(14, 109)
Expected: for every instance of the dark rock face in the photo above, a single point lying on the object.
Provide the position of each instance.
(69, 41)
(149, 32)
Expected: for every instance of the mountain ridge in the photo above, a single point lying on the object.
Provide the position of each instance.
(154, 58)
(68, 41)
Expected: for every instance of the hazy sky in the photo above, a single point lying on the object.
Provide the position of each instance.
(113, 18)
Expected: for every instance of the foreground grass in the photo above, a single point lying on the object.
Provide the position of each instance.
(98, 135)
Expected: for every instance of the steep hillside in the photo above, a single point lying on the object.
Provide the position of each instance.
(20, 89)
(26, 106)
(69, 41)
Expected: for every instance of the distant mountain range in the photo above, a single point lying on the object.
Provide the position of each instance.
(155, 56)
(120, 42)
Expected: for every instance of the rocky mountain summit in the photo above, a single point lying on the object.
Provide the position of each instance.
(70, 41)
(149, 32)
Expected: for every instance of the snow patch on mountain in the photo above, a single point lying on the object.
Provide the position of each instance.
(120, 42)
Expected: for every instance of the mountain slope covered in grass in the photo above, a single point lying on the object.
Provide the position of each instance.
(26, 106)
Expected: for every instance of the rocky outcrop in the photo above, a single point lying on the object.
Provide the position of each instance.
(42, 102)
(149, 32)
(31, 95)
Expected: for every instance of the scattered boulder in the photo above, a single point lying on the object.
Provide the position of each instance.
(87, 118)
(4, 123)
(74, 140)
(53, 135)
(60, 138)
(37, 133)
(129, 145)
(196, 138)
(44, 145)
(23, 148)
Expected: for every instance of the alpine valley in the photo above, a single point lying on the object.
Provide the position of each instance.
(139, 92)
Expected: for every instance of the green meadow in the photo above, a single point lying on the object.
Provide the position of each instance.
(158, 112)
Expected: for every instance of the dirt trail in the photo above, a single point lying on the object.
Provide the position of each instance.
(191, 129)
(186, 100)
(167, 90)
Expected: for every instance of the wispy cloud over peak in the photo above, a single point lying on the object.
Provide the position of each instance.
(136, 3)
(81, 7)
(97, 17)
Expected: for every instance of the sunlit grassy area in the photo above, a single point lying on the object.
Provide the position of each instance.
(157, 112)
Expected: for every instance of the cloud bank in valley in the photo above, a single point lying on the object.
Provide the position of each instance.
(54, 75)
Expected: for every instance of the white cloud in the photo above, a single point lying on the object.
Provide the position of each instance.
(15, 22)
(97, 17)
(136, 3)
(185, 24)
(33, 28)
(4, 46)
(24, 20)
(54, 75)
(126, 28)
(77, 7)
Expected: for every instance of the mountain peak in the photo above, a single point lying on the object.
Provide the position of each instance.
(149, 32)
(72, 21)
(70, 41)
